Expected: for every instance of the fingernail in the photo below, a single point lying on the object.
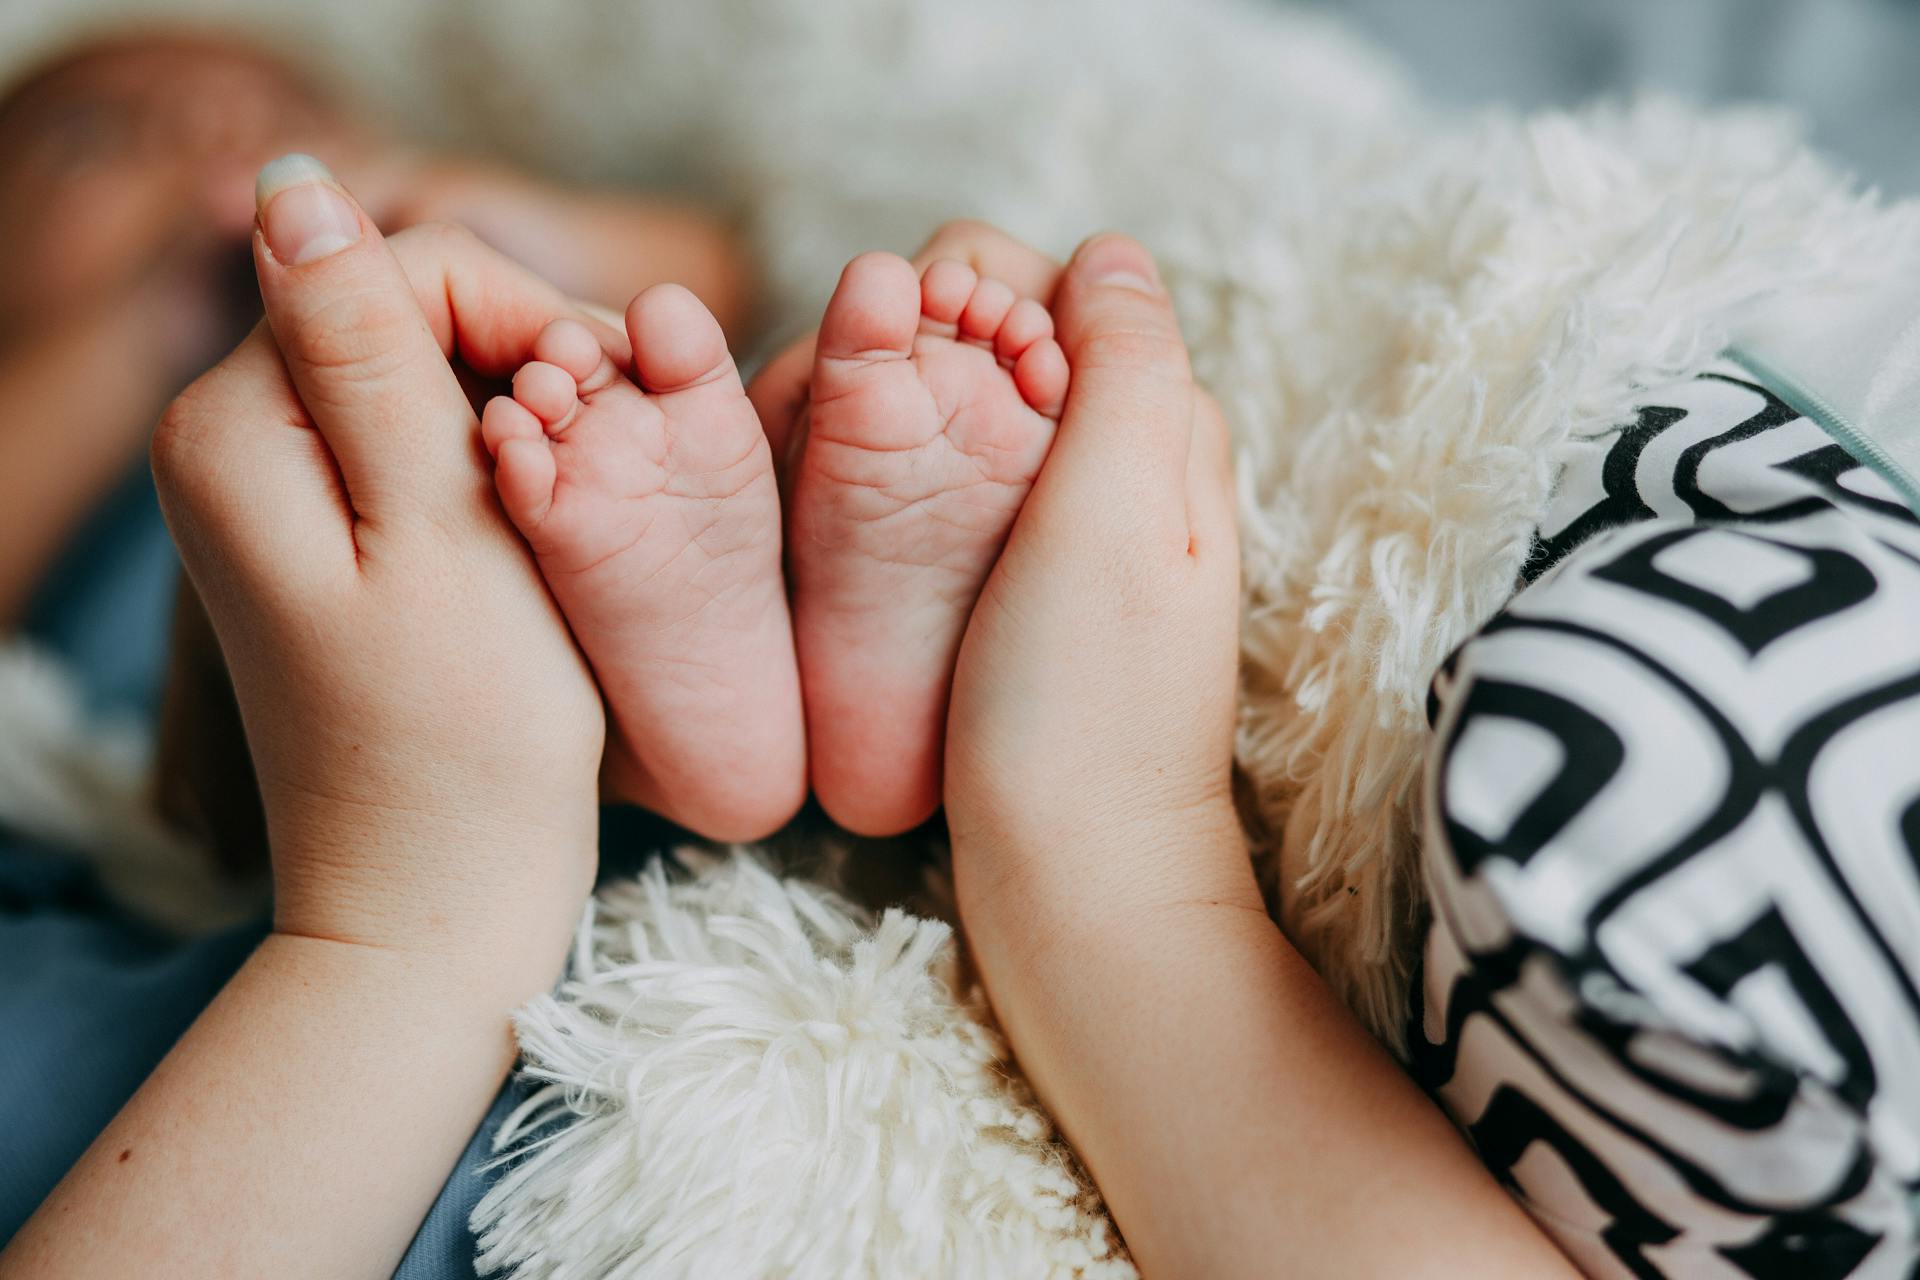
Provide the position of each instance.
(303, 214)
(1119, 263)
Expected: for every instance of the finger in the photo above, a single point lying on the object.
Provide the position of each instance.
(993, 253)
(248, 486)
(363, 357)
(1127, 427)
(486, 308)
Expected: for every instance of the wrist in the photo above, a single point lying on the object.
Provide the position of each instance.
(461, 990)
(489, 910)
(1152, 845)
(1020, 886)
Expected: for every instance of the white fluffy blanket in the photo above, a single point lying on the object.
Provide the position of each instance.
(1405, 317)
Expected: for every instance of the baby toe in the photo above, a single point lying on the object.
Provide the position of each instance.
(1041, 375)
(506, 419)
(875, 310)
(985, 310)
(549, 392)
(944, 290)
(524, 474)
(1026, 323)
(677, 343)
(571, 346)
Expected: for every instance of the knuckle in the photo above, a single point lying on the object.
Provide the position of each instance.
(362, 335)
(171, 445)
(1143, 347)
(429, 251)
(181, 436)
(427, 238)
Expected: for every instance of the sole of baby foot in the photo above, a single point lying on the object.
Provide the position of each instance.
(934, 400)
(650, 505)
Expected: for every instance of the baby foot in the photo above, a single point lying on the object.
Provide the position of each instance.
(933, 404)
(653, 513)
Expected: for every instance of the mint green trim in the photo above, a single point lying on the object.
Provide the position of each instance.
(1811, 404)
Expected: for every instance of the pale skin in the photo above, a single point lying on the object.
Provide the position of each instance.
(932, 403)
(649, 496)
(431, 811)
(426, 738)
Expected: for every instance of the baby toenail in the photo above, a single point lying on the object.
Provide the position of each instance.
(303, 214)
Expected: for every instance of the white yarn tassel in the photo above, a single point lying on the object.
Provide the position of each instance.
(744, 1076)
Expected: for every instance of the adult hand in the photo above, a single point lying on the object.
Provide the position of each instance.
(426, 739)
(425, 734)
(1104, 882)
(1088, 759)
(1095, 688)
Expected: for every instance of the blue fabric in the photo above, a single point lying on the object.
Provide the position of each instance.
(106, 603)
(90, 1001)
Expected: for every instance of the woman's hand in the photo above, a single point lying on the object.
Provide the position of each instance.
(427, 742)
(1126, 559)
(424, 731)
(1094, 694)
(1237, 1119)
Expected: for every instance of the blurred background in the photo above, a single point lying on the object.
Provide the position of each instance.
(1850, 67)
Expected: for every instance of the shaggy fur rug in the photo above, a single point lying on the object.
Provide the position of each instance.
(1405, 316)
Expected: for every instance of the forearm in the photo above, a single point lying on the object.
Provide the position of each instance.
(301, 1127)
(1237, 1119)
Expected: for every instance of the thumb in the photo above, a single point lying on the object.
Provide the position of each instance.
(1126, 433)
(360, 352)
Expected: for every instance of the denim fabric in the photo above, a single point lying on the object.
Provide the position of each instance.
(89, 1002)
(106, 603)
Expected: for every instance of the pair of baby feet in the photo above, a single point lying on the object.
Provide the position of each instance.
(650, 500)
